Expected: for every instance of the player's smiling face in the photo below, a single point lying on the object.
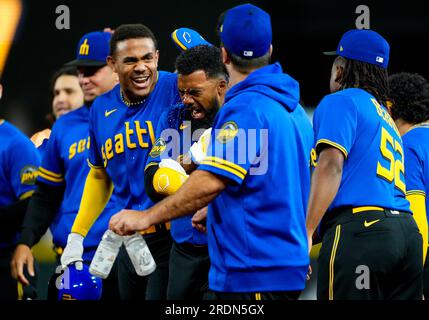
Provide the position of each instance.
(203, 96)
(136, 62)
(68, 95)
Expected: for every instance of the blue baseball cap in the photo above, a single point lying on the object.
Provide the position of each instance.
(92, 50)
(246, 31)
(363, 45)
(186, 38)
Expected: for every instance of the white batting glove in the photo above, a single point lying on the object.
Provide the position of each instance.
(73, 251)
(198, 150)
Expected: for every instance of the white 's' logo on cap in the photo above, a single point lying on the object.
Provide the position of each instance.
(379, 59)
(248, 53)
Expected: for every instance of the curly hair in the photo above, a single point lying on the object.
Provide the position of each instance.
(202, 57)
(366, 76)
(410, 97)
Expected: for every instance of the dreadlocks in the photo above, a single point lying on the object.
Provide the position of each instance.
(366, 76)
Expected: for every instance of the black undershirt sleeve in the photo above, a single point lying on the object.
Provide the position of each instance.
(41, 211)
(148, 184)
(11, 216)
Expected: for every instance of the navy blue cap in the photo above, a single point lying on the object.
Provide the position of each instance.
(364, 45)
(246, 31)
(185, 38)
(92, 50)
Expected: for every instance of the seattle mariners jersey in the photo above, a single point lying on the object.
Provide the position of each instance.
(122, 137)
(416, 153)
(355, 123)
(261, 141)
(64, 163)
(19, 161)
(174, 119)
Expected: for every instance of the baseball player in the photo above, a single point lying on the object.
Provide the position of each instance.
(19, 161)
(63, 170)
(202, 83)
(255, 176)
(67, 96)
(410, 110)
(371, 246)
(122, 131)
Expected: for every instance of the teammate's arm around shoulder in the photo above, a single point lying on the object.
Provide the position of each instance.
(96, 193)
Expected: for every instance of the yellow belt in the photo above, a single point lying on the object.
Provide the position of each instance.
(368, 208)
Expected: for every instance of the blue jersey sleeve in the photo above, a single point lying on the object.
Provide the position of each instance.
(24, 160)
(51, 170)
(335, 123)
(414, 177)
(237, 140)
(95, 156)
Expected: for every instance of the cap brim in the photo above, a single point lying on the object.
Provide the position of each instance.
(330, 53)
(85, 63)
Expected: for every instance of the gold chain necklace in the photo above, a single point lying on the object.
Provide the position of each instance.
(129, 104)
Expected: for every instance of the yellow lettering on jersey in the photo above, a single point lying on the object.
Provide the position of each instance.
(384, 114)
(72, 150)
(119, 143)
(88, 144)
(109, 149)
(140, 132)
(128, 133)
(81, 146)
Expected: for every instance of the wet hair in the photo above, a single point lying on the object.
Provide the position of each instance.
(366, 76)
(131, 31)
(409, 93)
(203, 57)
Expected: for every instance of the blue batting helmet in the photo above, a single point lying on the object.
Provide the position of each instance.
(79, 285)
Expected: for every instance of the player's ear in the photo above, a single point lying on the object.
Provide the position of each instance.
(156, 57)
(225, 56)
(222, 86)
(339, 73)
(111, 63)
(271, 50)
(1, 91)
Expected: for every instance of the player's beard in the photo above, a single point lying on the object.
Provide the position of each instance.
(210, 114)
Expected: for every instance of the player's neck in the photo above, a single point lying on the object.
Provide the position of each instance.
(236, 76)
(403, 126)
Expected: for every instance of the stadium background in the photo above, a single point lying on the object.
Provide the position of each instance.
(302, 30)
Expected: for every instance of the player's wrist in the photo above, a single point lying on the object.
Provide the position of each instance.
(75, 237)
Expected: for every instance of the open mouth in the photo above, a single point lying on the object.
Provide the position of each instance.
(198, 112)
(141, 82)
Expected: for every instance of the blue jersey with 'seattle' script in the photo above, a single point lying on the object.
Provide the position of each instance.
(64, 164)
(261, 141)
(352, 121)
(122, 137)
